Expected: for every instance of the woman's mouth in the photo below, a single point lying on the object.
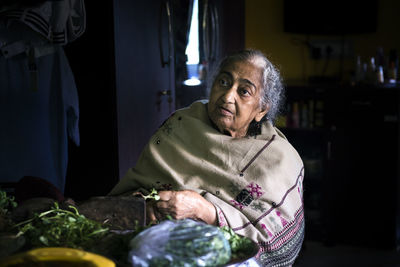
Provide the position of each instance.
(225, 111)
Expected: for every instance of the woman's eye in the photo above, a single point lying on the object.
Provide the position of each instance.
(244, 92)
(223, 82)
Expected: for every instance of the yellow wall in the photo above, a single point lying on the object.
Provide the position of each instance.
(264, 31)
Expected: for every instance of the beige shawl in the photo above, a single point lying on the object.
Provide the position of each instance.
(254, 182)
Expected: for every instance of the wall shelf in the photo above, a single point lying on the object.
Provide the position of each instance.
(351, 185)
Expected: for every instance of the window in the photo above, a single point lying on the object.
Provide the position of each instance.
(192, 49)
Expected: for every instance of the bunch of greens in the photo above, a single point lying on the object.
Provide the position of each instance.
(59, 227)
(7, 203)
(240, 246)
(180, 243)
(198, 241)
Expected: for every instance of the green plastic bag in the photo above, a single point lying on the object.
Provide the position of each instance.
(180, 243)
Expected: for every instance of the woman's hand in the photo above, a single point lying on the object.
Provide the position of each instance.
(181, 205)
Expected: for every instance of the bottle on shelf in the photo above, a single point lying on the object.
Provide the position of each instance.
(311, 113)
(303, 115)
(359, 72)
(393, 66)
(319, 114)
(392, 73)
(380, 75)
(380, 61)
(295, 115)
(371, 76)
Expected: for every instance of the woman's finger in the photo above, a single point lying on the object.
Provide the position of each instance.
(150, 212)
(166, 195)
(162, 205)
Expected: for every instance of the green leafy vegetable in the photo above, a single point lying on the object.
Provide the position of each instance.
(153, 195)
(6, 203)
(240, 245)
(180, 243)
(60, 227)
(198, 241)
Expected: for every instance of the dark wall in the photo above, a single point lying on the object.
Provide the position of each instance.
(92, 168)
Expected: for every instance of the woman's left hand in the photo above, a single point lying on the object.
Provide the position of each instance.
(185, 204)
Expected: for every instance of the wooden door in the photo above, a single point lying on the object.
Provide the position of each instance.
(144, 73)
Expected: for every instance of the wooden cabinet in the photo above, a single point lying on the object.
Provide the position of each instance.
(351, 162)
(144, 67)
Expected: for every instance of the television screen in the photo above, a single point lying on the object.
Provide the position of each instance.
(332, 17)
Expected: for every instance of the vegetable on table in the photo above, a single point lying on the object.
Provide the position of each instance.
(183, 242)
(180, 243)
(7, 203)
(61, 228)
(240, 246)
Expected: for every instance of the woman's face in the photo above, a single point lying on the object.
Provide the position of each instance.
(235, 98)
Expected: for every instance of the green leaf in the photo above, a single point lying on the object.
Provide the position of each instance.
(153, 195)
(71, 219)
(58, 227)
(44, 240)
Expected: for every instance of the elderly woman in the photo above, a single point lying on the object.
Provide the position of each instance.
(223, 162)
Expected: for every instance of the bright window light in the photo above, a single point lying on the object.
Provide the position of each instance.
(192, 49)
(192, 82)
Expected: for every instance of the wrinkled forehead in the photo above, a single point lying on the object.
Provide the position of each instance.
(256, 62)
(246, 69)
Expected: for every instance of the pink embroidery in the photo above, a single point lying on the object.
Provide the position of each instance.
(237, 204)
(259, 252)
(283, 221)
(255, 190)
(221, 219)
(263, 226)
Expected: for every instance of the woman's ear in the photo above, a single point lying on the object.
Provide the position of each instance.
(261, 113)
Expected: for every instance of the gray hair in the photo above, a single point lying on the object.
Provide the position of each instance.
(272, 93)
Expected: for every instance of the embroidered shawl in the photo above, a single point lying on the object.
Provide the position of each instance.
(255, 183)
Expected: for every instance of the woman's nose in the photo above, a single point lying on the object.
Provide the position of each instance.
(229, 95)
